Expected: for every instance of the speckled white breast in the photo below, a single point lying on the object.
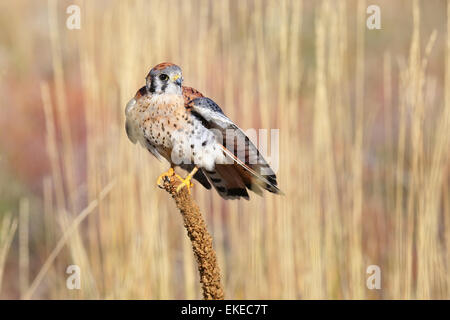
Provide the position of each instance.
(162, 124)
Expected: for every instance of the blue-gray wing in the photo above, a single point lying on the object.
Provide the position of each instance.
(236, 144)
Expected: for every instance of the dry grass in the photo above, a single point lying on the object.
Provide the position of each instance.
(364, 150)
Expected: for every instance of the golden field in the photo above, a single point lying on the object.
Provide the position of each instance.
(364, 162)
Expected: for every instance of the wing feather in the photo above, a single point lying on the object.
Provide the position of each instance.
(236, 145)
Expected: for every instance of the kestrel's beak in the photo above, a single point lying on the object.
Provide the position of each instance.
(177, 79)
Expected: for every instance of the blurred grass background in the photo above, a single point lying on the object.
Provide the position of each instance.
(364, 119)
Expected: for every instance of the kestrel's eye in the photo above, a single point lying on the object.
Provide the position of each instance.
(164, 77)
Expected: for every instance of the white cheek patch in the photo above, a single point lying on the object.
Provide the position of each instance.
(172, 88)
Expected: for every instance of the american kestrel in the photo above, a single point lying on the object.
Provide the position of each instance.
(191, 132)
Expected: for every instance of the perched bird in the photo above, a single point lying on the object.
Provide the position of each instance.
(191, 131)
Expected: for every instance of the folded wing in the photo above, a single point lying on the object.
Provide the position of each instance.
(247, 169)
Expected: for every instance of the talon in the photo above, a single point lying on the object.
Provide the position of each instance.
(187, 182)
(164, 176)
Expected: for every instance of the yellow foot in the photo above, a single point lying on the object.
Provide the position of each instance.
(187, 182)
(162, 177)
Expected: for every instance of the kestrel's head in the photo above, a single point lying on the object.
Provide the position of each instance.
(165, 77)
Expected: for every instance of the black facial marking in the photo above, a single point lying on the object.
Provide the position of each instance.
(152, 88)
(164, 86)
(142, 91)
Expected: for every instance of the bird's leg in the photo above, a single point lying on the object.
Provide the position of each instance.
(169, 173)
(187, 181)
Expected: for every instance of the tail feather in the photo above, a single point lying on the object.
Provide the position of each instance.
(267, 182)
(228, 182)
(232, 180)
(248, 179)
